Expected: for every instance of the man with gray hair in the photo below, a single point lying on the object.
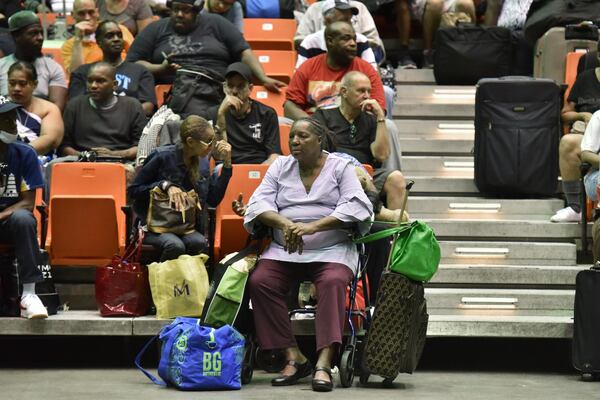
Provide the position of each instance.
(359, 129)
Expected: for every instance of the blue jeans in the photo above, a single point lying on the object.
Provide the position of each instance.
(172, 246)
(590, 180)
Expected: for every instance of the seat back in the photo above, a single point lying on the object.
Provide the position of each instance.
(284, 139)
(270, 34)
(161, 91)
(277, 64)
(85, 223)
(55, 54)
(275, 100)
(571, 61)
(230, 234)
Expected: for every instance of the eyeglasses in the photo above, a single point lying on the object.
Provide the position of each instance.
(212, 141)
(353, 133)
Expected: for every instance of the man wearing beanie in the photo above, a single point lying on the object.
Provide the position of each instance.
(26, 30)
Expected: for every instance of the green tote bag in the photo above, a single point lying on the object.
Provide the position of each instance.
(415, 252)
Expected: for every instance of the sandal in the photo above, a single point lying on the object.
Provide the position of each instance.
(319, 385)
(302, 370)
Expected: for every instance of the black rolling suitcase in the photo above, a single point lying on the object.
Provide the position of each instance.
(517, 131)
(586, 324)
(467, 53)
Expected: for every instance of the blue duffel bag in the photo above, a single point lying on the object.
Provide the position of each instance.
(196, 357)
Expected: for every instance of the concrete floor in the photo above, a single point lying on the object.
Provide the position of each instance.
(117, 384)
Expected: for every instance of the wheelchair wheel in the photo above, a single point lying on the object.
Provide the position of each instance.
(269, 361)
(346, 368)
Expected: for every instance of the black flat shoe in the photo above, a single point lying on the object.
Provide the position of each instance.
(302, 370)
(319, 385)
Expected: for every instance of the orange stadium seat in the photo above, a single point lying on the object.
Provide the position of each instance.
(284, 139)
(277, 64)
(161, 91)
(271, 99)
(85, 223)
(55, 54)
(270, 34)
(230, 235)
(571, 61)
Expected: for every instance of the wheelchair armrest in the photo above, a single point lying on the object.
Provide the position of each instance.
(43, 210)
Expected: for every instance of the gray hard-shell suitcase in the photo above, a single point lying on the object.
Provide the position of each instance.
(551, 50)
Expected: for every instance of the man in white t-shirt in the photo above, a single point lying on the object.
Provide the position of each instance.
(590, 153)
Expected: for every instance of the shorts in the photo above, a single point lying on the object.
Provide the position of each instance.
(590, 181)
(417, 8)
(379, 177)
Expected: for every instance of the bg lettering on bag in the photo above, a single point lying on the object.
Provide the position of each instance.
(182, 290)
(211, 364)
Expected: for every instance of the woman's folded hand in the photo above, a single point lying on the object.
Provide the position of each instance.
(293, 233)
(178, 199)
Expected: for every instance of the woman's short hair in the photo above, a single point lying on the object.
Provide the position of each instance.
(101, 29)
(317, 128)
(25, 66)
(193, 126)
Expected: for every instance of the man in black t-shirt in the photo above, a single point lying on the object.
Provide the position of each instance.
(191, 40)
(359, 129)
(250, 127)
(102, 122)
(583, 101)
(132, 79)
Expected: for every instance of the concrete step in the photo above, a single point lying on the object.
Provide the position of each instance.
(438, 94)
(499, 324)
(414, 76)
(505, 299)
(439, 165)
(526, 231)
(504, 275)
(432, 146)
(432, 109)
(436, 129)
(482, 208)
(427, 185)
(442, 323)
(77, 296)
(502, 253)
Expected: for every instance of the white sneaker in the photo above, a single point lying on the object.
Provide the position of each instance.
(566, 214)
(32, 307)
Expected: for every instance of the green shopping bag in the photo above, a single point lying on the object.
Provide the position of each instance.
(415, 252)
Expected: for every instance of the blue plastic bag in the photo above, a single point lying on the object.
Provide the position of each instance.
(196, 357)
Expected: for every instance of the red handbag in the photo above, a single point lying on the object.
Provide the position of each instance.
(122, 287)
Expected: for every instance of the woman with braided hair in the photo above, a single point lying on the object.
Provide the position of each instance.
(311, 199)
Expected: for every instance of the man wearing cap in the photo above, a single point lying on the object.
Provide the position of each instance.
(188, 40)
(249, 126)
(20, 176)
(362, 22)
(82, 47)
(26, 29)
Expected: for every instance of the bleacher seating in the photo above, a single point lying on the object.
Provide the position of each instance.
(86, 225)
(230, 235)
(271, 99)
(161, 91)
(270, 34)
(51, 18)
(277, 64)
(284, 139)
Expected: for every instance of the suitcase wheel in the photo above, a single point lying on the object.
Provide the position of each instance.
(388, 382)
(347, 368)
(364, 378)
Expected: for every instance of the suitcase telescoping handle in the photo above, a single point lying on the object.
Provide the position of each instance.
(409, 185)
